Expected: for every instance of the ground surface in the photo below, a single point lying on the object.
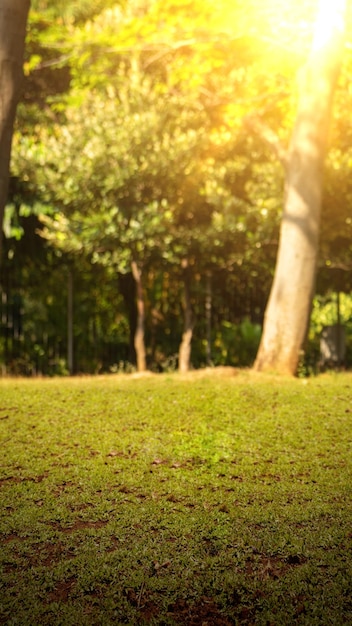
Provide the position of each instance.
(218, 498)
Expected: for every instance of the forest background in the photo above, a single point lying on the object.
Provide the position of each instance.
(146, 186)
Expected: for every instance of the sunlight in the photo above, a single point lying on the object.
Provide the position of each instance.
(330, 16)
(289, 25)
(285, 26)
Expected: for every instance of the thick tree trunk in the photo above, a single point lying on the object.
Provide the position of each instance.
(13, 20)
(139, 334)
(288, 310)
(184, 353)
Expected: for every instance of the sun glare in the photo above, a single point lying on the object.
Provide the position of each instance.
(287, 26)
(330, 16)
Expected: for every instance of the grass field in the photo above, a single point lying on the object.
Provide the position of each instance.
(214, 499)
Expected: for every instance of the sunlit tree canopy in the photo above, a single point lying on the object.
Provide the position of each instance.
(159, 130)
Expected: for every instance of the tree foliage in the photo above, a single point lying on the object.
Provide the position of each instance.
(155, 133)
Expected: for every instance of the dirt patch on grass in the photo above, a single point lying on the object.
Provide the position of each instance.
(13, 537)
(62, 591)
(205, 612)
(49, 553)
(78, 525)
(21, 479)
(272, 567)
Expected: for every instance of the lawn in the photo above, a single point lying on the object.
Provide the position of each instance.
(218, 498)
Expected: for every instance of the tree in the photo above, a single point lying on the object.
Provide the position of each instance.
(288, 310)
(131, 135)
(136, 147)
(13, 20)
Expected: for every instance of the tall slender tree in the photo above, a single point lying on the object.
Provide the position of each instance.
(13, 20)
(288, 310)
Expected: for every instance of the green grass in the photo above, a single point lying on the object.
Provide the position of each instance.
(161, 500)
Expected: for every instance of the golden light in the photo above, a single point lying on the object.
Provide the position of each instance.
(290, 25)
(330, 17)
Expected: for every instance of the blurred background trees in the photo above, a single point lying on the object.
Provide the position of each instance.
(146, 171)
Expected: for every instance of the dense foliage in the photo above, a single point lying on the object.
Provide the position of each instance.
(151, 133)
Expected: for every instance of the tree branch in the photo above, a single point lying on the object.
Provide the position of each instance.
(269, 137)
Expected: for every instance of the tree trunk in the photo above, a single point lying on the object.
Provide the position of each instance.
(127, 288)
(184, 353)
(70, 357)
(288, 310)
(208, 312)
(13, 20)
(139, 334)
